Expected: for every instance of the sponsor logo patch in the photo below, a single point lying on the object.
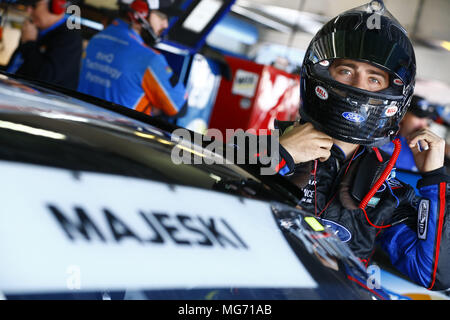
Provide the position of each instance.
(342, 232)
(398, 82)
(422, 219)
(321, 93)
(353, 117)
(391, 111)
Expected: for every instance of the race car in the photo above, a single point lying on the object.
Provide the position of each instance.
(94, 207)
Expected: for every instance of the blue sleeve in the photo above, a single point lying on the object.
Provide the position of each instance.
(423, 253)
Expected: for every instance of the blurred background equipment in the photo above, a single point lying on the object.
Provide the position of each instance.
(255, 96)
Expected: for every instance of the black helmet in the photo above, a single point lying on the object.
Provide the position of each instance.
(422, 108)
(367, 34)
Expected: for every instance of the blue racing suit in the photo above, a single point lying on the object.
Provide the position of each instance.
(118, 67)
(414, 230)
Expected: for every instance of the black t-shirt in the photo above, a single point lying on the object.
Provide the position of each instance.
(54, 57)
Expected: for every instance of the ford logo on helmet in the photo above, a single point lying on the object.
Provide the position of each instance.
(353, 117)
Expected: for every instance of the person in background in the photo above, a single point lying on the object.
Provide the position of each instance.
(48, 51)
(357, 81)
(418, 117)
(121, 66)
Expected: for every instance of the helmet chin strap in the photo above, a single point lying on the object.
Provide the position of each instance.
(148, 34)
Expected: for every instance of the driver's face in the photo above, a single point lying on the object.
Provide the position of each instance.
(359, 75)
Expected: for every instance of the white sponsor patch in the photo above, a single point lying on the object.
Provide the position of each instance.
(422, 219)
(61, 231)
(244, 83)
(391, 111)
(321, 93)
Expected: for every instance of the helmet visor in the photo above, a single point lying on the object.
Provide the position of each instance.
(369, 37)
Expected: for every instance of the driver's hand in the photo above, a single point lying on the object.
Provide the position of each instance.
(430, 156)
(304, 143)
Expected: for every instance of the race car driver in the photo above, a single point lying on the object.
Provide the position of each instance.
(357, 81)
(121, 66)
(419, 115)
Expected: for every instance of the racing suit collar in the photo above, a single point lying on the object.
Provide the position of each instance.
(338, 153)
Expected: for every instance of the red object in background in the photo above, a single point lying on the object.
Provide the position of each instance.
(256, 95)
